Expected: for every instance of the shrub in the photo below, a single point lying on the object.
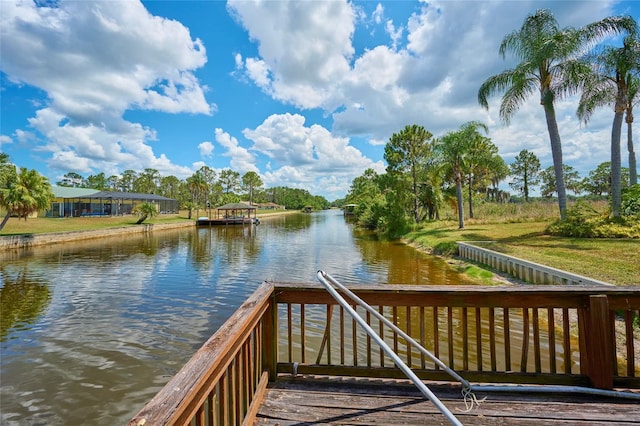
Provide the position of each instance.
(631, 201)
(583, 221)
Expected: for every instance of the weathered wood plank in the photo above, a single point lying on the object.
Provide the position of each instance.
(393, 402)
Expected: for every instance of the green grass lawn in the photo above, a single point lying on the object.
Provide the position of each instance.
(616, 261)
(43, 225)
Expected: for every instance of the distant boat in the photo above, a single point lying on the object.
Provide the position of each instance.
(307, 209)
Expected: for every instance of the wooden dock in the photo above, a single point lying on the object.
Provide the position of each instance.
(231, 214)
(337, 400)
(205, 221)
(289, 355)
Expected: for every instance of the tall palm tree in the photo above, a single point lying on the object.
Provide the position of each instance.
(453, 149)
(197, 186)
(614, 71)
(477, 165)
(27, 193)
(633, 99)
(549, 64)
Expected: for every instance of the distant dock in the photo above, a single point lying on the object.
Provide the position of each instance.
(231, 214)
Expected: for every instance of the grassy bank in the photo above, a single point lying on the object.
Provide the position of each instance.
(521, 234)
(43, 225)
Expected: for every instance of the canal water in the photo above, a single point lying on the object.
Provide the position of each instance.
(92, 330)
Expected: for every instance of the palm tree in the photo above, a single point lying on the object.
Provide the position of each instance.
(144, 211)
(27, 193)
(453, 149)
(477, 165)
(633, 99)
(611, 85)
(197, 185)
(549, 64)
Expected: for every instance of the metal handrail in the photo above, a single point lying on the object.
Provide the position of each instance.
(324, 279)
(468, 388)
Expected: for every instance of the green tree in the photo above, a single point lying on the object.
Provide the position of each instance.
(7, 170)
(144, 211)
(170, 187)
(251, 182)
(610, 85)
(525, 173)
(548, 179)
(407, 152)
(127, 180)
(599, 180)
(113, 183)
(366, 193)
(98, 182)
(431, 189)
(498, 171)
(147, 181)
(197, 187)
(230, 180)
(454, 150)
(633, 99)
(72, 180)
(27, 193)
(548, 64)
(482, 153)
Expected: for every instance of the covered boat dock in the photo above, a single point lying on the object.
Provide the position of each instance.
(231, 214)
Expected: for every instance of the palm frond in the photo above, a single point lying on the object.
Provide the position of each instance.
(593, 33)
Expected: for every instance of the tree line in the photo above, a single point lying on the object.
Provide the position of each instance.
(206, 188)
(527, 175)
(424, 172)
(24, 191)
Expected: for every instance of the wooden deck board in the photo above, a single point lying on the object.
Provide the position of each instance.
(315, 401)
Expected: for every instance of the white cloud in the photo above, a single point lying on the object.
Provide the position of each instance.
(242, 160)
(4, 139)
(307, 157)
(378, 14)
(300, 50)
(450, 48)
(96, 60)
(206, 149)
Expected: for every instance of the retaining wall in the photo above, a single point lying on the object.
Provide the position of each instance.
(10, 242)
(523, 269)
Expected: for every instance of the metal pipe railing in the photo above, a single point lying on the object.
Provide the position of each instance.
(395, 328)
(396, 359)
(467, 387)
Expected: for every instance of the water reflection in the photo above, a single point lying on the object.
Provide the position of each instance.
(22, 301)
(111, 320)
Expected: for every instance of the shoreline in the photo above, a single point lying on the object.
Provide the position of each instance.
(26, 241)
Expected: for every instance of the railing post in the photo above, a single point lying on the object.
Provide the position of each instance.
(270, 339)
(599, 343)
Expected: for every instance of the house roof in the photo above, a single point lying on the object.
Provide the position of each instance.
(129, 196)
(236, 206)
(68, 192)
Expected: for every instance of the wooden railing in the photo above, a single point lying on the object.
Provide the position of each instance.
(521, 334)
(222, 383)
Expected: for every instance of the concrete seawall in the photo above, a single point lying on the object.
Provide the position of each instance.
(524, 270)
(10, 242)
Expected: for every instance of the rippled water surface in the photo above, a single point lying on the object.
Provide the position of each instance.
(92, 330)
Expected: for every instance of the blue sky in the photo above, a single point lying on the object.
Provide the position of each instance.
(306, 93)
